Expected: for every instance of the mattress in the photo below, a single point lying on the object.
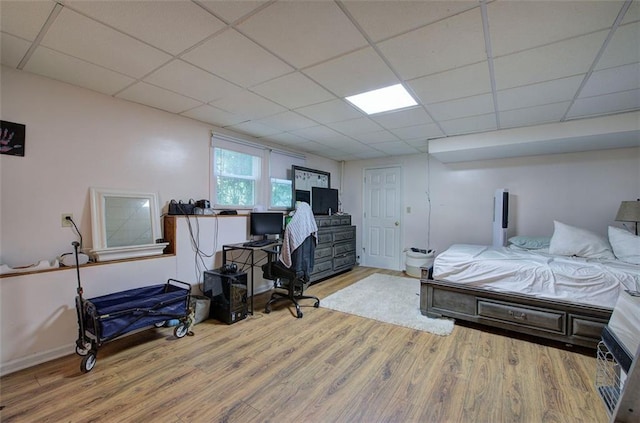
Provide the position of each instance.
(537, 273)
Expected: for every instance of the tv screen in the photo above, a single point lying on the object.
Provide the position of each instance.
(324, 200)
(266, 223)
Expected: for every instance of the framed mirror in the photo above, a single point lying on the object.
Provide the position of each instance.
(124, 224)
(304, 179)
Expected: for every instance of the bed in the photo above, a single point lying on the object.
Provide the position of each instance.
(563, 290)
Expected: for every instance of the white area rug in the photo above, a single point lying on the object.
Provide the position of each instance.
(390, 299)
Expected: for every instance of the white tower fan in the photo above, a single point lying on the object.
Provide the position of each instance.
(500, 217)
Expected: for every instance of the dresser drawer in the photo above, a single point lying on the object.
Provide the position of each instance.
(343, 248)
(533, 317)
(322, 266)
(344, 235)
(325, 237)
(322, 252)
(344, 262)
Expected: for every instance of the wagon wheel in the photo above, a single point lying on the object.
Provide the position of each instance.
(159, 324)
(88, 361)
(181, 330)
(84, 349)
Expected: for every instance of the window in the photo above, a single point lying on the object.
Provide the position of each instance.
(248, 175)
(237, 177)
(281, 194)
(280, 163)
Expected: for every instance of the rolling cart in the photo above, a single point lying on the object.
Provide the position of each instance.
(102, 319)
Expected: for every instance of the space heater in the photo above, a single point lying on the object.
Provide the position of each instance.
(500, 217)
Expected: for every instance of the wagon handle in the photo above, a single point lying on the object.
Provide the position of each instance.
(76, 244)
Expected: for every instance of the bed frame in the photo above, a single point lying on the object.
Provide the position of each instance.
(573, 324)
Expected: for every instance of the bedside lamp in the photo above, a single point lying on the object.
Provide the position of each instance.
(629, 211)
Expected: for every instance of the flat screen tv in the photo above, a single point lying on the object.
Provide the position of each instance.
(265, 223)
(324, 200)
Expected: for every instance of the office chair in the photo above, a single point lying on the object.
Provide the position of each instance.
(291, 271)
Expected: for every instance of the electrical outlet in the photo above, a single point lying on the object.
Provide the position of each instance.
(66, 222)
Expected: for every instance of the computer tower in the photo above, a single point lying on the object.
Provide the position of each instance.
(228, 294)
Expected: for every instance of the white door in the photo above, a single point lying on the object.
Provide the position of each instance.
(381, 220)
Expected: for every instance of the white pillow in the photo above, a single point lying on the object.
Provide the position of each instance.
(571, 241)
(626, 246)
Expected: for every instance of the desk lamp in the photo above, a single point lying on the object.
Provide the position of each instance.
(629, 211)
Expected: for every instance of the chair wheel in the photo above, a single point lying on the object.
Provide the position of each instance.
(267, 310)
(317, 304)
(300, 314)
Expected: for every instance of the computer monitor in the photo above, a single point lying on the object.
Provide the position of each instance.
(265, 223)
(324, 200)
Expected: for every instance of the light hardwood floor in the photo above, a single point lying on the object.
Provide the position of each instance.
(326, 367)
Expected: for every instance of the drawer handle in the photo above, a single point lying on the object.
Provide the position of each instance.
(518, 316)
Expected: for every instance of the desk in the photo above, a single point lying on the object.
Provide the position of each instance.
(246, 257)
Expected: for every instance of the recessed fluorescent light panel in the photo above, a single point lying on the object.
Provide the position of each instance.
(382, 100)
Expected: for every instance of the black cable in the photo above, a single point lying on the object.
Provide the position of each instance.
(70, 219)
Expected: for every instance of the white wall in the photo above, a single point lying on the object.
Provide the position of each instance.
(75, 139)
(581, 189)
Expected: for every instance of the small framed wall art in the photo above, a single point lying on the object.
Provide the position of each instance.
(12, 137)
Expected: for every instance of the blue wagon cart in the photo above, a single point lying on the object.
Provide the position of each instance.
(102, 319)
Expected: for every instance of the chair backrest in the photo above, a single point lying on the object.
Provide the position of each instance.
(302, 258)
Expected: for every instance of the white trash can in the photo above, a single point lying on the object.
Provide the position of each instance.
(416, 260)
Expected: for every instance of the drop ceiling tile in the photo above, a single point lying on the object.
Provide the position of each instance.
(81, 37)
(401, 118)
(254, 129)
(287, 121)
(633, 14)
(604, 104)
(397, 148)
(289, 139)
(234, 57)
(318, 134)
(231, 11)
(293, 90)
(371, 154)
(186, 79)
(330, 111)
(384, 19)
(288, 29)
(622, 78)
(419, 131)
(447, 44)
(12, 49)
(622, 48)
(55, 65)
(520, 25)
(159, 98)
(355, 126)
(249, 105)
(376, 137)
(420, 144)
(353, 73)
(559, 60)
(470, 124)
(213, 115)
(162, 24)
(533, 115)
(456, 83)
(469, 106)
(24, 19)
(354, 149)
(555, 91)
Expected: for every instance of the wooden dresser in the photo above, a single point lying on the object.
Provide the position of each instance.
(336, 249)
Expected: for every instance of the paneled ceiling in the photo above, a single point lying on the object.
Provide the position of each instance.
(279, 70)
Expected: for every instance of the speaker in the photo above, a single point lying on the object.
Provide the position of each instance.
(228, 294)
(500, 217)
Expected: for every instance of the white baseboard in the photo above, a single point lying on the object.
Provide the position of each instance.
(35, 359)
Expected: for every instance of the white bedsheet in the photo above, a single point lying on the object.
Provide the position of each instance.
(537, 273)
